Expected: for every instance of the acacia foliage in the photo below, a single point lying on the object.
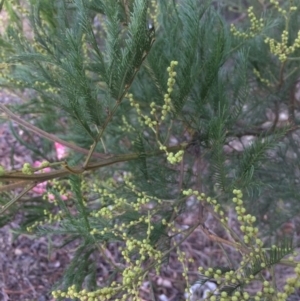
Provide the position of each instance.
(104, 68)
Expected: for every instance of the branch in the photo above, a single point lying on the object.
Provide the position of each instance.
(258, 132)
(38, 178)
(34, 179)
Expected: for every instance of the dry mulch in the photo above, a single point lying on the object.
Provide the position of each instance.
(27, 268)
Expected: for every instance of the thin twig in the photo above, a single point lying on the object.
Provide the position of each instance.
(46, 135)
(292, 102)
(11, 202)
(221, 240)
(13, 186)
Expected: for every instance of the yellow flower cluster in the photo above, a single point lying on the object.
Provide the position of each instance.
(142, 197)
(281, 49)
(255, 27)
(133, 271)
(245, 219)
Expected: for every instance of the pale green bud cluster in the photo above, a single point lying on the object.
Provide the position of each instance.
(59, 187)
(153, 11)
(246, 220)
(184, 259)
(144, 249)
(27, 169)
(133, 270)
(133, 103)
(213, 202)
(20, 9)
(280, 9)
(224, 279)
(45, 164)
(49, 218)
(281, 49)
(171, 82)
(263, 80)
(177, 158)
(84, 46)
(252, 254)
(104, 293)
(40, 85)
(142, 118)
(142, 197)
(12, 81)
(171, 157)
(132, 279)
(126, 127)
(38, 47)
(2, 170)
(158, 118)
(114, 206)
(255, 27)
(292, 283)
(110, 210)
(167, 100)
